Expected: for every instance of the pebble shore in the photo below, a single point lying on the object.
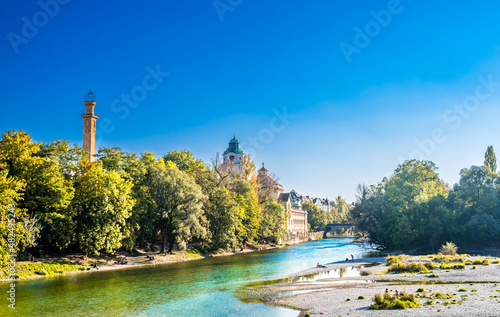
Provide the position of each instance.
(335, 289)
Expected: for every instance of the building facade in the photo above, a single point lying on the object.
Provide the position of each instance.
(268, 187)
(89, 126)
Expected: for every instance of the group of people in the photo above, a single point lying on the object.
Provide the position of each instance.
(346, 259)
(396, 294)
(92, 266)
(123, 261)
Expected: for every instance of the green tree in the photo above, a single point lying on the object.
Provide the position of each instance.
(177, 205)
(223, 216)
(102, 204)
(316, 217)
(67, 157)
(48, 191)
(490, 160)
(413, 184)
(367, 214)
(273, 227)
(477, 205)
(250, 211)
(341, 211)
(10, 194)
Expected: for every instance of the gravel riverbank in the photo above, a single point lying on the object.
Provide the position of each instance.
(335, 289)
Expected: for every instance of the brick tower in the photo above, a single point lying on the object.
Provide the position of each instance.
(89, 126)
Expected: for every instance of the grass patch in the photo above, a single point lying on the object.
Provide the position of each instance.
(432, 275)
(193, 253)
(413, 267)
(453, 266)
(43, 269)
(386, 301)
(392, 259)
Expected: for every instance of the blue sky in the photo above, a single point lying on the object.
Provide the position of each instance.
(274, 73)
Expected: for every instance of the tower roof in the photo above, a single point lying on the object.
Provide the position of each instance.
(90, 96)
(263, 169)
(234, 147)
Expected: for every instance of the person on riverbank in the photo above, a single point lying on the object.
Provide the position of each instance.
(352, 256)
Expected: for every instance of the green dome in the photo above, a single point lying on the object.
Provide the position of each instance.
(234, 147)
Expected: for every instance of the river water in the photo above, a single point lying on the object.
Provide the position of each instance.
(204, 287)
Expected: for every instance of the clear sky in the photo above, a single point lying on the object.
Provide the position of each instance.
(329, 94)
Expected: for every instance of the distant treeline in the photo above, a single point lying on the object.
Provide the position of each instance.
(415, 208)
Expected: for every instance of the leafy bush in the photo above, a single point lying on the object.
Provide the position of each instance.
(448, 249)
(432, 275)
(462, 290)
(388, 302)
(420, 290)
(361, 297)
(468, 262)
(477, 262)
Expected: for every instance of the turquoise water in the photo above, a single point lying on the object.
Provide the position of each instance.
(194, 288)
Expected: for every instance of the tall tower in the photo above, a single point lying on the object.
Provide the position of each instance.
(89, 126)
(233, 157)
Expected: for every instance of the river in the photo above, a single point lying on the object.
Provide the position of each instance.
(202, 287)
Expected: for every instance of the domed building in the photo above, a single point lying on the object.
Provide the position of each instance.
(233, 157)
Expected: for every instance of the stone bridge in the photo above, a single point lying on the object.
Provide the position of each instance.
(335, 226)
